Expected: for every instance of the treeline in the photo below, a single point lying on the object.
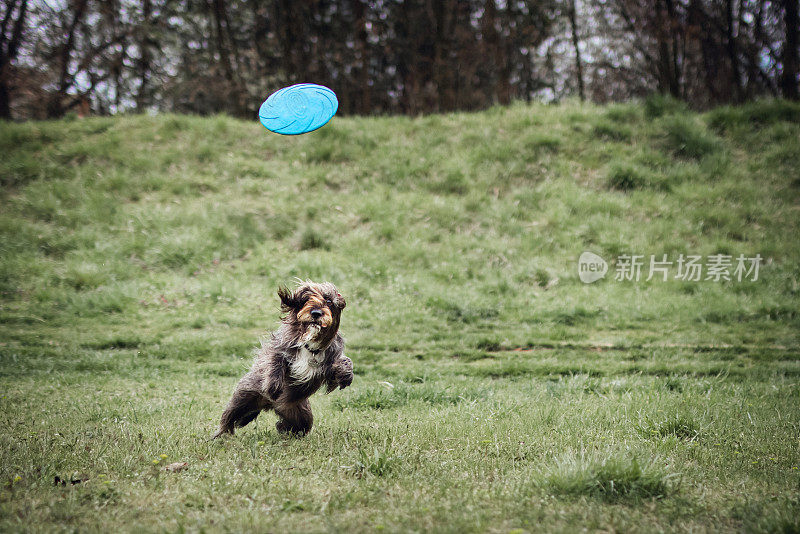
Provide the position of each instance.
(388, 56)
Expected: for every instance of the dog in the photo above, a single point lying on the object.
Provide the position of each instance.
(306, 352)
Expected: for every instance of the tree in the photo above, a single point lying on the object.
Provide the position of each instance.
(388, 56)
(575, 42)
(12, 29)
(791, 64)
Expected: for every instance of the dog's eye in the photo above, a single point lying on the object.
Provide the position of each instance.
(329, 302)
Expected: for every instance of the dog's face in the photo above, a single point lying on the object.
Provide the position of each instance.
(315, 309)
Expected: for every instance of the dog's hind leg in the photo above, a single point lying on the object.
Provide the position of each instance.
(295, 418)
(245, 405)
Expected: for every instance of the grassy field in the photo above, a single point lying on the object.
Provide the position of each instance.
(494, 390)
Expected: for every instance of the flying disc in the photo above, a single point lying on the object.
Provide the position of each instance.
(298, 109)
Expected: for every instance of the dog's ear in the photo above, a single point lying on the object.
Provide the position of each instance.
(288, 300)
(339, 301)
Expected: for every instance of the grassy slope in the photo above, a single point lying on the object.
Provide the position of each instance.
(138, 264)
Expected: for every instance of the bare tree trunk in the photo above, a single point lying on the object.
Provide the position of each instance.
(364, 99)
(144, 58)
(9, 47)
(491, 48)
(228, 52)
(55, 107)
(670, 51)
(5, 100)
(578, 62)
(790, 59)
(443, 13)
(504, 61)
(733, 52)
(118, 67)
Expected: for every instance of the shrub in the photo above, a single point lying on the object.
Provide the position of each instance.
(452, 183)
(623, 113)
(626, 177)
(658, 105)
(761, 113)
(489, 344)
(311, 239)
(686, 138)
(605, 129)
(542, 277)
(539, 142)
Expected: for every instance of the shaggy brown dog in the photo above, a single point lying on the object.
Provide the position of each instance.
(306, 352)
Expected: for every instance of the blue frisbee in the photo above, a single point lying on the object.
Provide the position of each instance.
(298, 109)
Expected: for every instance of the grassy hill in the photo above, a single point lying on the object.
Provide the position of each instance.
(494, 391)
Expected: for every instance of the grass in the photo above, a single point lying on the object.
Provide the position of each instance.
(625, 177)
(610, 478)
(494, 391)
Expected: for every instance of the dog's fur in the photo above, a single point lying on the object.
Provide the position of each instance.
(306, 352)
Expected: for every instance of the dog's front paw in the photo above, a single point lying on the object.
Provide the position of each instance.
(344, 372)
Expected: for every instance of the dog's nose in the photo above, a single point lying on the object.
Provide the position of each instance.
(316, 314)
